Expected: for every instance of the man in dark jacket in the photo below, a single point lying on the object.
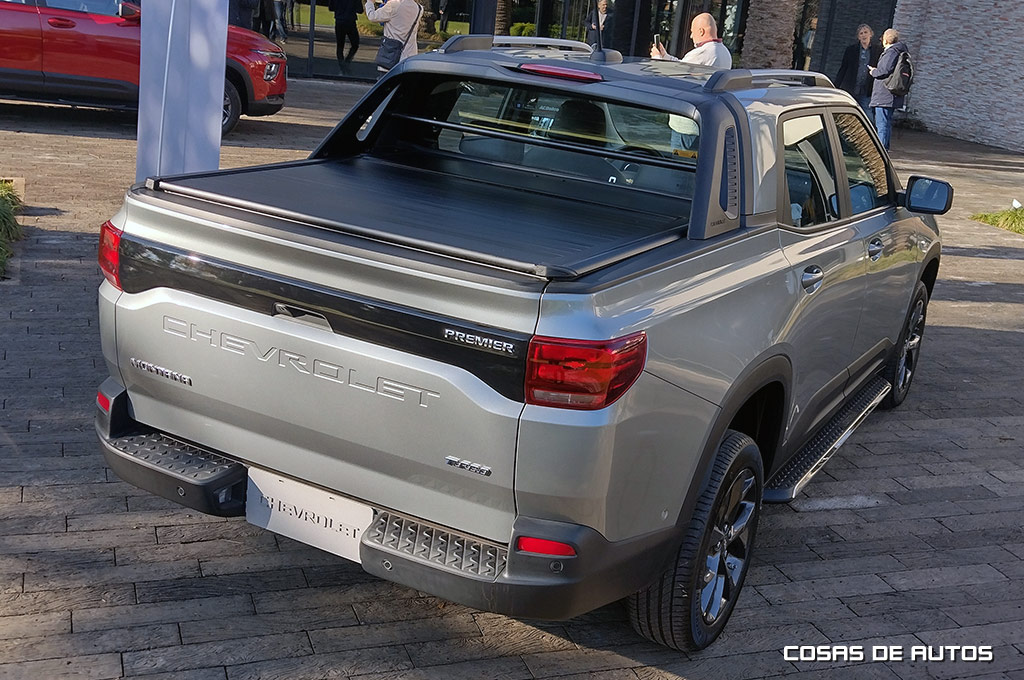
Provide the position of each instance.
(345, 26)
(883, 101)
(240, 12)
(853, 72)
(600, 17)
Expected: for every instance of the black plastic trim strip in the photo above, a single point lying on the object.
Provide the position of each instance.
(496, 356)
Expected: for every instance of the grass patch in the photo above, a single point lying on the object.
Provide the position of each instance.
(1011, 220)
(10, 230)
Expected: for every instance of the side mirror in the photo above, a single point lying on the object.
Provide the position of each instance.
(128, 11)
(929, 196)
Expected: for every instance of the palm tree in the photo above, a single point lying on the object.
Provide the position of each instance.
(503, 17)
(768, 42)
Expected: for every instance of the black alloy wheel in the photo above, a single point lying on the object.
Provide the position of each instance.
(903, 363)
(688, 606)
(232, 108)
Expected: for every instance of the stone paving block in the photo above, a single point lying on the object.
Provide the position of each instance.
(953, 558)
(216, 586)
(848, 566)
(924, 619)
(216, 626)
(406, 608)
(943, 577)
(516, 639)
(180, 611)
(949, 493)
(215, 528)
(74, 492)
(830, 609)
(976, 538)
(215, 673)
(12, 583)
(839, 502)
(337, 665)
(64, 600)
(824, 487)
(867, 531)
(32, 525)
(842, 631)
(136, 520)
(510, 668)
(81, 540)
(34, 625)
(340, 572)
(93, 667)
(48, 561)
(988, 520)
(910, 600)
(266, 562)
(10, 495)
(187, 657)
(861, 671)
(199, 550)
(933, 509)
(333, 596)
(813, 589)
(334, 639)
(578, 661)
(93, 642)
(49, 509)
(131, 573)
(743, 667)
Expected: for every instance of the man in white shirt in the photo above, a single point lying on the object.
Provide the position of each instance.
(708, 48)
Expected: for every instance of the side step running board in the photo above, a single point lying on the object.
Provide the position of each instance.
(795, 474)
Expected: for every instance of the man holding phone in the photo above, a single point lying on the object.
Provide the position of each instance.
(708, 48)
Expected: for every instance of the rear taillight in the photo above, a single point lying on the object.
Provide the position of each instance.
(543, 546)
(582, 374)
(103, 402)
(109, 255)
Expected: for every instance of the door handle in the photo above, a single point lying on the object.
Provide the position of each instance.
(811, 278)
(60, 22)
(875, 249)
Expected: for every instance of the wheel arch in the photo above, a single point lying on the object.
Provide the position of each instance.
(765, 384)
(238, 76)
(930, 273)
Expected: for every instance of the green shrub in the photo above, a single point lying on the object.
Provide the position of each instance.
(520, 29)
(1011, 220)
(10, 230)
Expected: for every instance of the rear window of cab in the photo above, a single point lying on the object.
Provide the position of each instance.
(549, 131)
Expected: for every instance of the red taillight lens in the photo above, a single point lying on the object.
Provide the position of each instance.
(582, 374)
(543, 546)
(103, 402)
(109, 255)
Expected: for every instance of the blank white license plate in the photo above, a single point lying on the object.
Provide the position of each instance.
(305, 513)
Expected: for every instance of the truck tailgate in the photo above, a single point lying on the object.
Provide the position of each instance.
(387, 383)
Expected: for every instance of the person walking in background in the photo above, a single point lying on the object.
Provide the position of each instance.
(853, 71)
(345, 27)
(401, 19)
(708, 48)
(883, 101)
(442, 12)
(601, 17)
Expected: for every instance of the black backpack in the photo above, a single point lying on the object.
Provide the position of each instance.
(902, 77)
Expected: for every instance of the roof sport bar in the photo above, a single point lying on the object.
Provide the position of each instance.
(744, 79)
(462, 43)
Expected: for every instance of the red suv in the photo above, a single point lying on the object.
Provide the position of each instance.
(86, 52)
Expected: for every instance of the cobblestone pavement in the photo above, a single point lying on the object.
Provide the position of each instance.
(913, 534)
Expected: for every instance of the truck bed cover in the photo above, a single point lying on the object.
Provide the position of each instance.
(531, 232)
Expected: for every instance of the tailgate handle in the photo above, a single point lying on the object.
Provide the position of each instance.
(304, 315)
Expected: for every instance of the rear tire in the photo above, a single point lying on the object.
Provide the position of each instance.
(688, 607)
(902, 365)
(232, 108)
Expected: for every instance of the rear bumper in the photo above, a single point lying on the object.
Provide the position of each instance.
(436, 560)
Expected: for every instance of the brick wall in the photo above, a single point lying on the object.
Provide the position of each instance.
(968, 84)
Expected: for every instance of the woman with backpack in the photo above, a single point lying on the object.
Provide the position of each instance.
(892, 82)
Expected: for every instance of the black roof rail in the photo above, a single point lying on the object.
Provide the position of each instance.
(462, 43)
(745, 79)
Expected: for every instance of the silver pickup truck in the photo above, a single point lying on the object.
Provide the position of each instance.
(533, 330)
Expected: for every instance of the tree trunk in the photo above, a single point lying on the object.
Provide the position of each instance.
(769, 38)
(503, 17)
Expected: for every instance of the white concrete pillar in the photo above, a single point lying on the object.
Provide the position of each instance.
(181, 86)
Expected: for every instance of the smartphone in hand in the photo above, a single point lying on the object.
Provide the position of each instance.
(657, 40)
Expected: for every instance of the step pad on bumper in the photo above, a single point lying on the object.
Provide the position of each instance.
(452, 552)
(196, 478)
(798, 471)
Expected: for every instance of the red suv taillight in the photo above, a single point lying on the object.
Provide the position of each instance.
(582, 374)
(109, 255)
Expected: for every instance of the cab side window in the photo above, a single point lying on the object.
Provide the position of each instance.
(865, 166)
(106, 7)
(810, 172)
